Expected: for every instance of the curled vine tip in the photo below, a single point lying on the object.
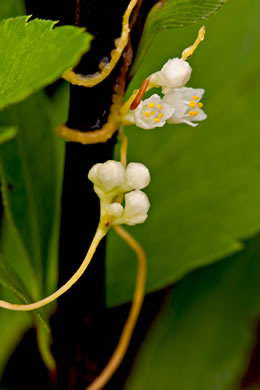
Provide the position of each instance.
(187, 53)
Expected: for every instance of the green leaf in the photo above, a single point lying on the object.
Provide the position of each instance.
(31, 174)
(13, 327)
(203, 337)
(169, 14)
(33, 54)
(10, 8)
(7, 133)
(205, 186)
(12, 282)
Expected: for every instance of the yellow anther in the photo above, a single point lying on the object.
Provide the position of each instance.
(190, 50)
(159, 106)
(152, 112)
(160, 115)
(147, 114)
(151, 105)
(193, 113)
(156, 120)
(195, 97)
(192, 104)
(200, 105)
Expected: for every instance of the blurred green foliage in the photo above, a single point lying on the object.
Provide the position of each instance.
(169, 14)
(202, 339)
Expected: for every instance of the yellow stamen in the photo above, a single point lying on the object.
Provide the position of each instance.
(147, 114)
(190, 50)
(159, 106)
(160, 115)
(156, 120)
(152, 112)
(195, 97)
(151, 105)
(200, 105)
(192, 104)
(193, 113)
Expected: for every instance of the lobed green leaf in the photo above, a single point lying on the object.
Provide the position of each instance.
(33, 54)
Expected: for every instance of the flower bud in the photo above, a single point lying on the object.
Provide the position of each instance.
(174, 74)
(137, 176)
(107, 176)
(115, 209)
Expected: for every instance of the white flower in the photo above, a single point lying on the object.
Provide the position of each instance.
(137, 176)
(107, 176)
(174, 74)
(136, 208)
(187, 105)
(111, 179)
(114, 209)
(150, 113)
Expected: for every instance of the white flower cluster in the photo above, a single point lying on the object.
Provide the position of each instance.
(111, 179)
(179, 103)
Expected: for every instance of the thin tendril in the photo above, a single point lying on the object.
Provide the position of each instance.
(127, 332)
(100, 233)
(123, 148)
(106, 69)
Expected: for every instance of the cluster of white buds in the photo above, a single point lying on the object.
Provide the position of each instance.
(179, 103)
(111, 180)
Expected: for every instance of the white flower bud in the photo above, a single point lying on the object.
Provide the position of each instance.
(137, 176)
(93, 173)
(111, 175)
(107, 176)
(174, 74)
(136, 207)
(136, 203)
(115, 209)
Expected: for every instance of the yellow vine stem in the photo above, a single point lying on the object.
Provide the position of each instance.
(106, 69)
(100, 233)
(187, 53)
(123, 148)
(96, 136)
(127, 332)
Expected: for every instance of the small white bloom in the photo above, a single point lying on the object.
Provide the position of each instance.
(151, 113)
(136, 208)
(111, 179)
(174, 74)
(186, 102)
(137, 176)
(115, 209)
(107, 176)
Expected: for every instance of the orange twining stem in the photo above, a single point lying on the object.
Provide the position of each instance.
(140, 94)
(127, 332)
(106, 69)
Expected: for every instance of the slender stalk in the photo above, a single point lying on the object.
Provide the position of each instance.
(100, 233)
(127, 332)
